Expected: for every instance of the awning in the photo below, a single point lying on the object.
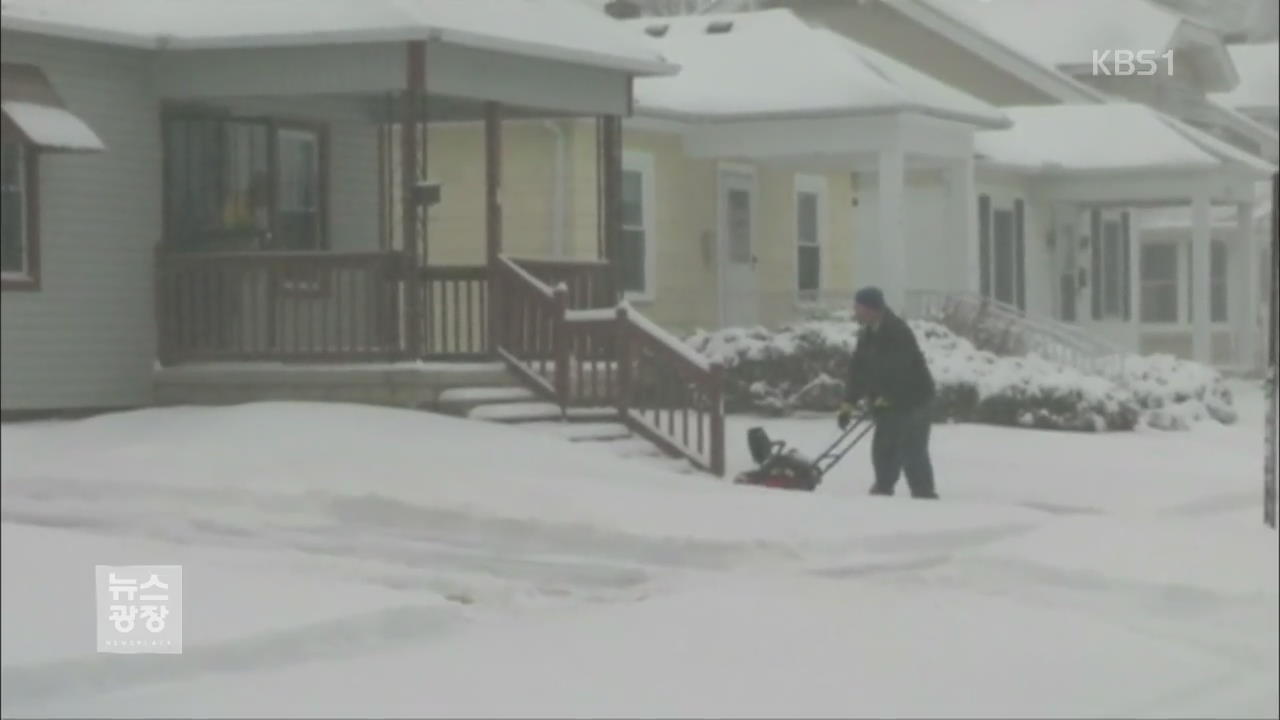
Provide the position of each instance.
(34, 109)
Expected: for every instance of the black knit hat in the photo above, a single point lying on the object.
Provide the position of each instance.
(870, 297)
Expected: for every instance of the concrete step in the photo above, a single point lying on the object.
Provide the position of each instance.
(583, 431)
(462, 400)
(521, 412)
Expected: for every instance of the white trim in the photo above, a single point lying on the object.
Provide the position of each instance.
(818, 186)
(642, 162)
(724, 168)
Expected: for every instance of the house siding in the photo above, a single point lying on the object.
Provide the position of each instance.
(86, 338)
(685, 296)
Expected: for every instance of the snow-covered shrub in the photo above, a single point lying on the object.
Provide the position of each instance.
(1175, 393)
(802, 367)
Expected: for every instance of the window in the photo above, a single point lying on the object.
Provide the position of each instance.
(1001, 239)
(1109, 241)
(810, 204)
(19, 252)
(1159, 283)
(1113, 270)
(238, 184)
(636, 254)
(1218, 290)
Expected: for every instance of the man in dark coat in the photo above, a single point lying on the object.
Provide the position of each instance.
(889, 378)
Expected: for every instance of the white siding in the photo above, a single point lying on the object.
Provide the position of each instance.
(86, 337)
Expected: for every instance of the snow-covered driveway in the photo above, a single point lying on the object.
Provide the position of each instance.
(342, 560)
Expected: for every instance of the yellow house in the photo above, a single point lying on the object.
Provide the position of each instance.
(745, 175)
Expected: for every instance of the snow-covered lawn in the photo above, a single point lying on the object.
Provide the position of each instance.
(351, 561)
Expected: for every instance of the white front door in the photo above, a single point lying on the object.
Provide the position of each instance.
(739, 301)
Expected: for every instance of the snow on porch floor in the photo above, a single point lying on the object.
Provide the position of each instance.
(348, 561)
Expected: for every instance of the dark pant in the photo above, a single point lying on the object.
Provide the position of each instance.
(901, 445)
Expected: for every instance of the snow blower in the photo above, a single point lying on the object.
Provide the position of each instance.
(780, 467)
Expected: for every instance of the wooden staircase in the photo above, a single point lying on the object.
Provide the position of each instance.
(593, 370)
(521, 406)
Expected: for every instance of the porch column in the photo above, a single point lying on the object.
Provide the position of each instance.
(410, 172)
(609, 151)
(1201, 238)
(493, 217)
(964, 220)
(1244, 310)
(891, 172)
(492, 181)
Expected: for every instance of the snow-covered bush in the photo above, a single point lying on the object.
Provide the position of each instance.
(802, 367)
(1175, 393)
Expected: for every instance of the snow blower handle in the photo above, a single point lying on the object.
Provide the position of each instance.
(849, 436)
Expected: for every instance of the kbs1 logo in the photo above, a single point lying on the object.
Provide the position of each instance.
(1127, 63)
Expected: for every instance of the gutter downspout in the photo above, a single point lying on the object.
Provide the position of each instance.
(559, 195)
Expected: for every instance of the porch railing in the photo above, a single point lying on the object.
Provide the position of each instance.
(612, 357)
(282, 306)
(1008, 330)
(455, 311)
(589, 283)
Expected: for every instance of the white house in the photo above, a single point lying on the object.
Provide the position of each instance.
(147, 144)
(1033, 58)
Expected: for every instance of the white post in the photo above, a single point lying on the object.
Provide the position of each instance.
(891, 172)
(1244, 280)
(1201, 237)
(1135, 277)
(965, 273)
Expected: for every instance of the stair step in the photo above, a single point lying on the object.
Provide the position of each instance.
(463, 399)
(637, 447)
(584, 431)
(534, 411)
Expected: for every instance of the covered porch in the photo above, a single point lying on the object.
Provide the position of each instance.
(1099, 173)
(297, 190)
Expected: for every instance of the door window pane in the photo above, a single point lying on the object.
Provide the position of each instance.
(1112, 269)
(1159, 273)
(1218, 282)
(632, 253)
(298, 190)
(739, 217)
(809, 252)
(1004, 255)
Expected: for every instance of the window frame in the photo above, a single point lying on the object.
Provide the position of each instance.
(28, 280)
(641, 162)
(1175, 280)
(274, 125)
(819, 188)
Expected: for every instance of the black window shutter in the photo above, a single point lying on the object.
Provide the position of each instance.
(984, 243)
(1126, 292)
(1095, 252)
(1020, 254)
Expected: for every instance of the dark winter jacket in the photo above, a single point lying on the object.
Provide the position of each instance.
(888, 365)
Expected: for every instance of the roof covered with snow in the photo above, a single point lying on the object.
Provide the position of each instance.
(1106, 137)
(1259, 69)
(770, 63)
(1067, 33)
(552, 29)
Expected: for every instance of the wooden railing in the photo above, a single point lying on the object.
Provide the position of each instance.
(455, 311)
(612, 357)
(669, 394)
(590, 283)
(531, 316)
(292, 306)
